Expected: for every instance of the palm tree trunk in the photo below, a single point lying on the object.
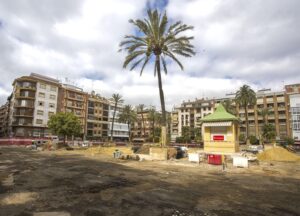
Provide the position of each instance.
(143, 121)
(153, 124)
(129, 130)
(113, 121)
(162, 102)
(247, 123)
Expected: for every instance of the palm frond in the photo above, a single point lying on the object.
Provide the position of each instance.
(163, 24)
(136, 63)
(164, 65)
(132, 56)
(145, 63)
(174, 58)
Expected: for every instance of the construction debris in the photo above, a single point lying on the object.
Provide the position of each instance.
(277, 154)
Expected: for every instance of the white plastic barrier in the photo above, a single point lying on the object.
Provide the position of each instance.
(240, 161)
(194, 157)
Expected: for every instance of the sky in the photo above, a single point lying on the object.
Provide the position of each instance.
(237, 42)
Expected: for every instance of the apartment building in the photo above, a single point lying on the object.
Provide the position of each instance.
(294, 96)
(33, 101)
(4, 112)
(145, 124)
(120, 131)
(277, 104)
(283, 112)
(73, 99)
(189, 114)
(97, 117)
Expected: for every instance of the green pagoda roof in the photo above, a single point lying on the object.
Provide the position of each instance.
(220, 115)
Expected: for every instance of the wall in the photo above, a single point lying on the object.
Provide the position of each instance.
(230, 145)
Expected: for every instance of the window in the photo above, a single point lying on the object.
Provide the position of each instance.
(53, 88)
(52, 97)
(50, 114)
(42, 86)
(39, 121)
(41, 95)
(40, 112)
(51, 105)
(41, 103)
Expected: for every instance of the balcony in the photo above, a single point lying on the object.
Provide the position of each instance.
(260, 101)
(281, 108)
(30, 88)
(25, 96)
(282, 116)
(23, 114)
(270, 100)
(280, 99)
(22, 123)
(25, 105)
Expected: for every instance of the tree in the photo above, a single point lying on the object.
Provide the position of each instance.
(154, 117)
(157, 41)
(244, 97)
(264, 112)
(269, 132)
(186, 133)
(228, 106)
(64, 124)
(141, 110)
(117, 99)
(128, 116)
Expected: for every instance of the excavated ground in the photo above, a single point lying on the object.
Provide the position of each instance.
(33, 183)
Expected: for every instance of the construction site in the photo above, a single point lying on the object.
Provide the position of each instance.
(114, 180)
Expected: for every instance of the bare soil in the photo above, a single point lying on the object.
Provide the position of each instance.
(79, 184)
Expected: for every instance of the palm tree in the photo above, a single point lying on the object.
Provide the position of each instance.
(117, 98)
(245, 97)
(152, 118)
(228, 106)
(264, 112)
(141, 109)
(157, 41)
(129, 116)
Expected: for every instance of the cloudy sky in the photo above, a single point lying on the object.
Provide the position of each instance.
(237, 42)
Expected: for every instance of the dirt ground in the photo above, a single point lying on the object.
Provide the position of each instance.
(69, 183)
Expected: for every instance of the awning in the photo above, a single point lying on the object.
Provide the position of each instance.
(217, 124)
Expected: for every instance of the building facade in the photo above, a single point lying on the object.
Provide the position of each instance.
(4, 113)
(97, 117)
(32, 102)
(294, 96)
(120, 131)
(282, 106)
(73, 99)
(189, 114)
(146, 122)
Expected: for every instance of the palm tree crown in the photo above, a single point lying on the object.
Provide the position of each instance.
(244, 97)
(117, 98)
(129, 116)
(157, 40)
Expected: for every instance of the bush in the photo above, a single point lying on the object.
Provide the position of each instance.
(179, 140)
(242, 138)
(289, 141)
(156, 139)
(253, 140)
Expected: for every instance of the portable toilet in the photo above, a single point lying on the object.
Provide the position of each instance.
(220, 132)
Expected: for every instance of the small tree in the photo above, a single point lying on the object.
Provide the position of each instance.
(269, 132)
(128, 116)
(186, 133)
(64, 124)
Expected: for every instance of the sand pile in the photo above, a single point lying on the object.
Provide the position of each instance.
(145, 149)
(109, 150)
(277, 154)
